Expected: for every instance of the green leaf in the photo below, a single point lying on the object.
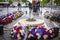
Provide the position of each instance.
(44, 2)
(2, 0)
(24, 1)
(10, 1)
(57, 1)
(53, 18)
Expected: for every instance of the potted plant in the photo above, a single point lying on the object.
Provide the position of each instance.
(53, 18)
(57, 2)
(2, 0)
(10, 1)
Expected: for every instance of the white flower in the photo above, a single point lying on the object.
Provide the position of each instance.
(18, 35)
(46, 30)
(38, 36)
(19, 38)
(32, 27)
(45, 36)
(11, 32)
(18, 25)
(30, 30)
(51, 35)
(50, 31)
(14, 30)
(35, 30)
(22, 32)
(30, 35)
(12, 36)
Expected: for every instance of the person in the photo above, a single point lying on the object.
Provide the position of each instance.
(30, 7)
(26, 12)
(19, 5)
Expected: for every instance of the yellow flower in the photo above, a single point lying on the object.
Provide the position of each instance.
(22, 32)
(14, 31)
(45, 36)
(30, 35)
(38, 36)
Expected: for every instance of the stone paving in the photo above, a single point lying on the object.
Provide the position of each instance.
(5, 36)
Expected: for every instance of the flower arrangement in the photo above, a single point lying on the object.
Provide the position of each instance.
(7, 18)
(40, 32)
(52, 17)
(18, 32)
(55, 18)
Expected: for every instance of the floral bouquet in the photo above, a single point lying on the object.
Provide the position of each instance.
(39, 32)
(18, 32)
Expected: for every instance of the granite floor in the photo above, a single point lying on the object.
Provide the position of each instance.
(6, 35)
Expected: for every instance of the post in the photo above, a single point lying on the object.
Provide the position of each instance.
(39, 10)
(19, 5)
(56, 32)
(51, 5)
(7, 8)
(1, 30)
